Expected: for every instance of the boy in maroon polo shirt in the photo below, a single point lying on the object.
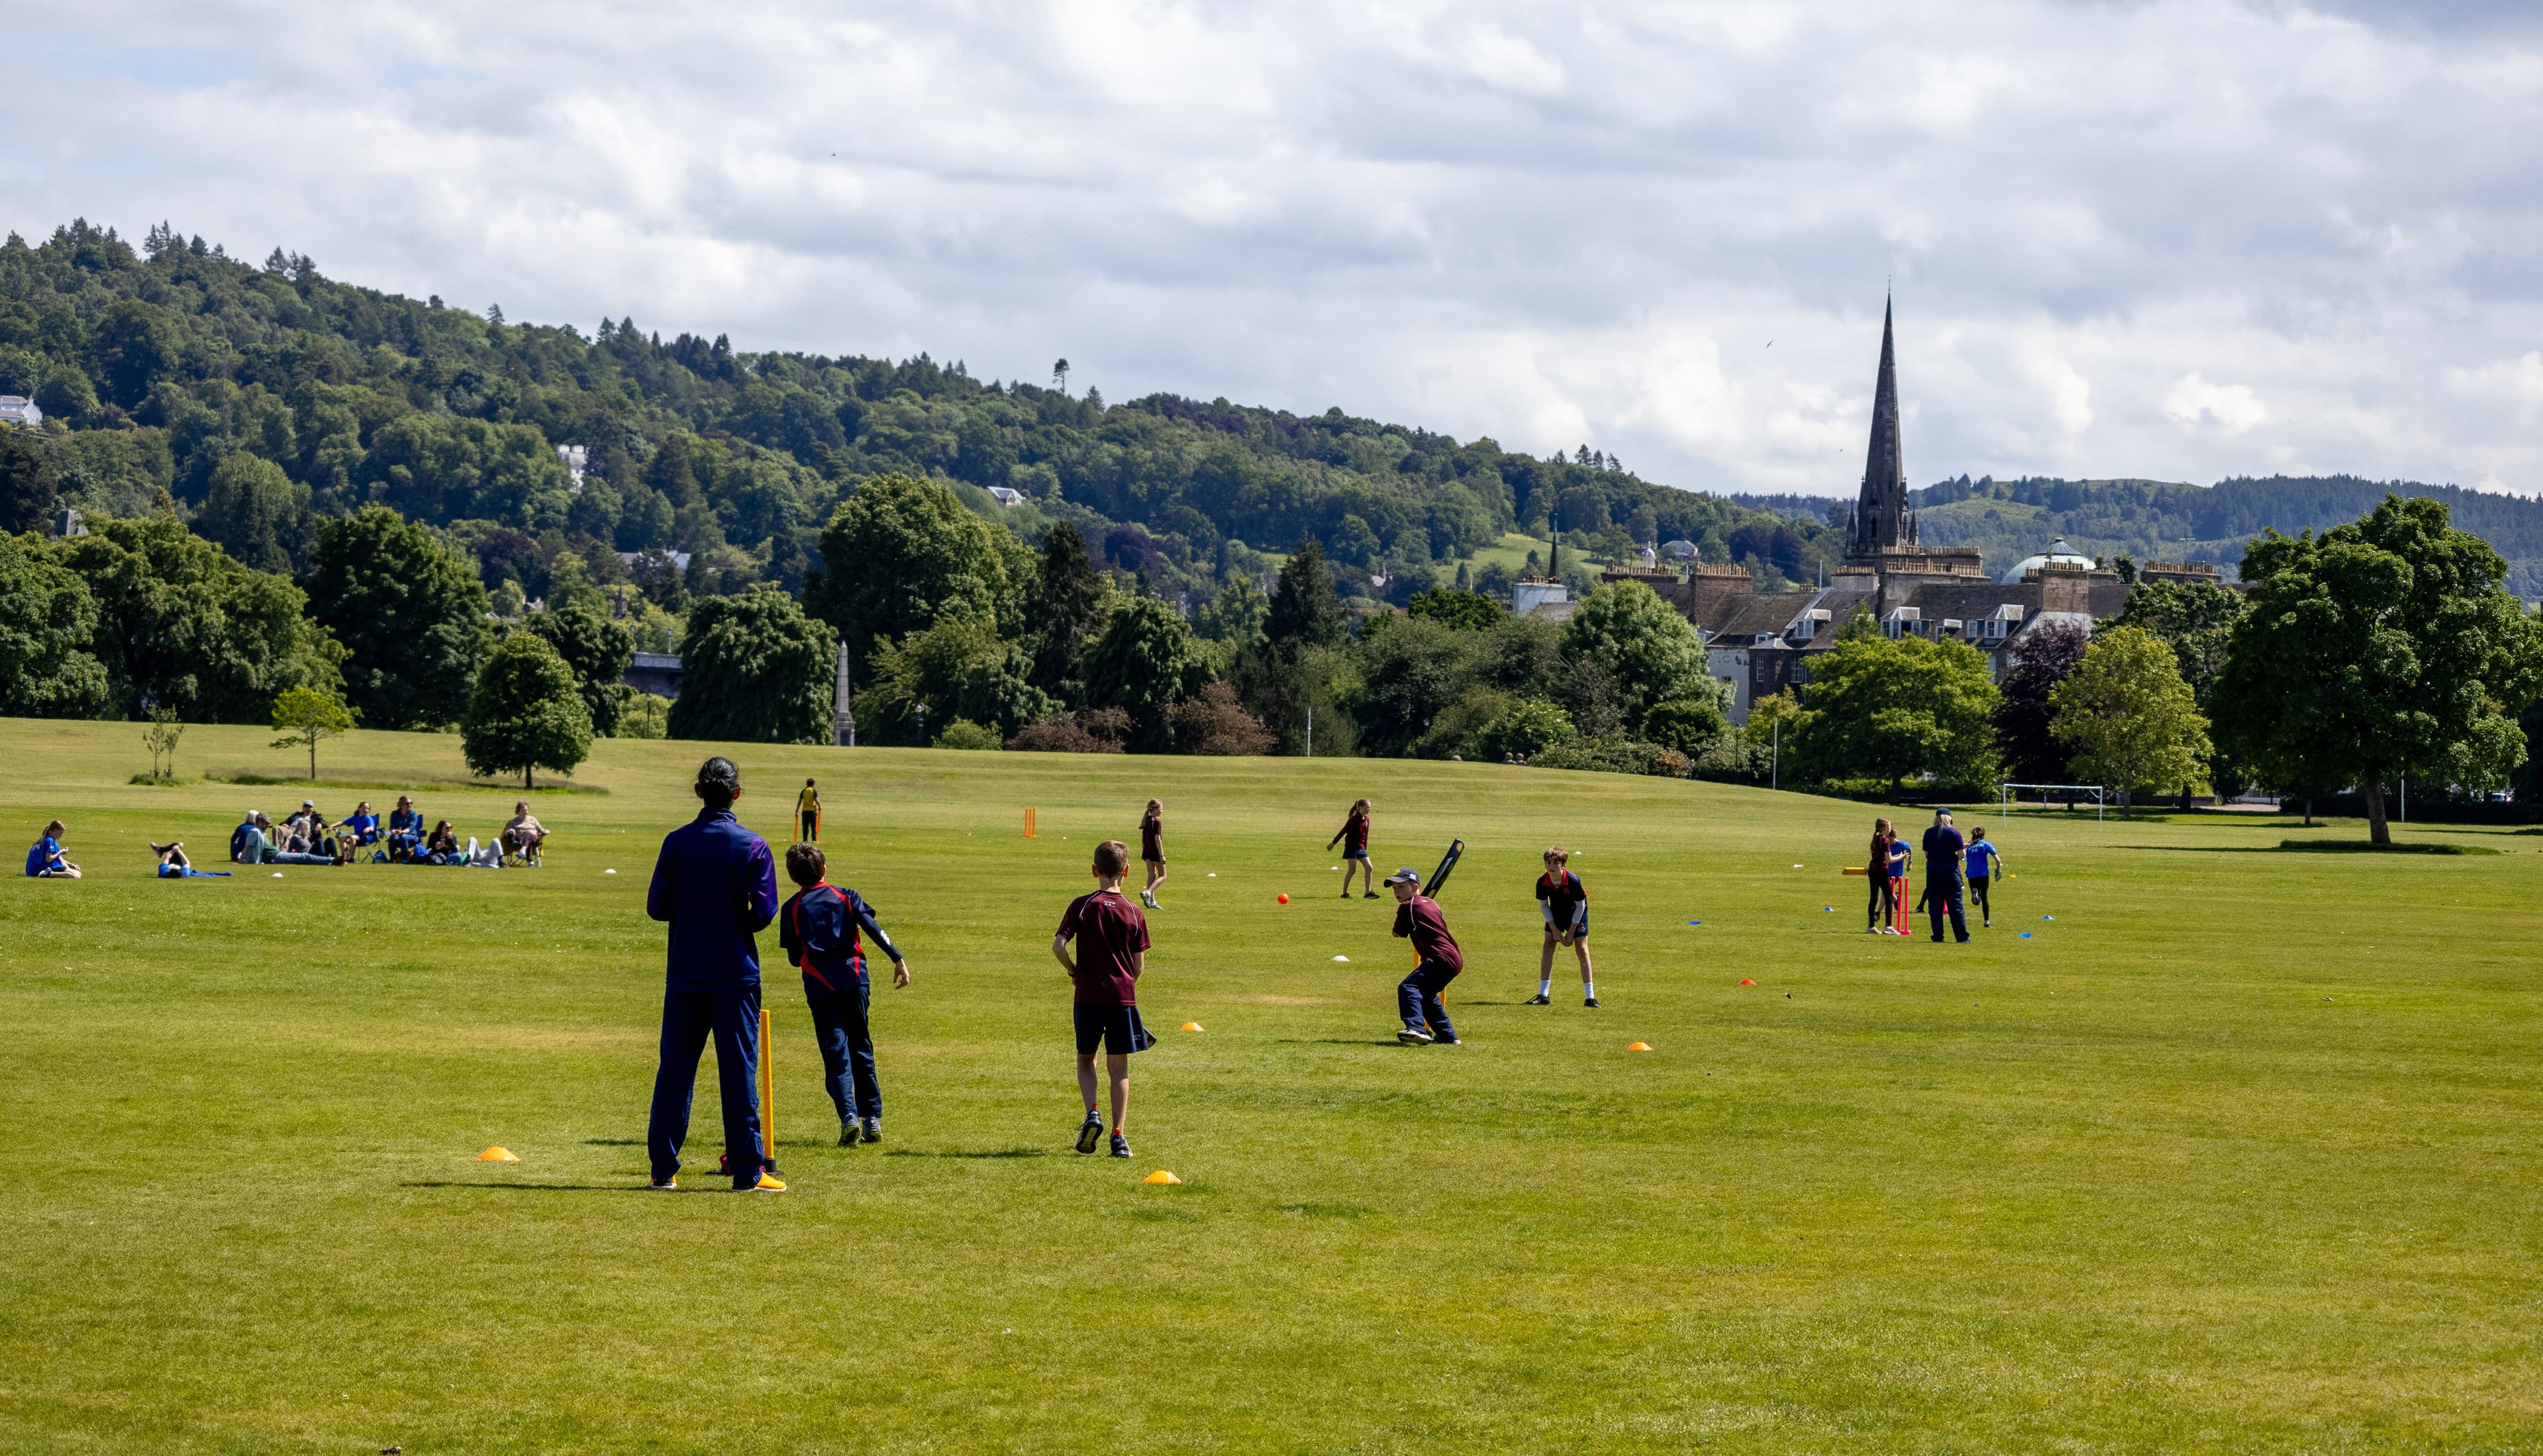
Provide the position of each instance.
(1112, 950)
(1418, 917)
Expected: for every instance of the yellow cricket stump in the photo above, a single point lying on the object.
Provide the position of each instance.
(767, 1094)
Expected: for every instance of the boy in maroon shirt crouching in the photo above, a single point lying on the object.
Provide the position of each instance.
(1417, 918)
(1112, 950)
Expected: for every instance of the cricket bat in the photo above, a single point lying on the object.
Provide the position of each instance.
(1447, 863)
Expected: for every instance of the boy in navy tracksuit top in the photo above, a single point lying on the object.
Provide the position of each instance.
(716, 882)
(817, 930)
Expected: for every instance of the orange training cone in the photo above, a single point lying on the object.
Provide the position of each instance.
(1747, 984)
(1161, 1176)
(1191, 1026)
(497, 1155)
(1640, 1046)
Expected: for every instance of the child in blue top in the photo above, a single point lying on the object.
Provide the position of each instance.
(173, 864)
(818, 929)
(45, 861)
(1979, 853)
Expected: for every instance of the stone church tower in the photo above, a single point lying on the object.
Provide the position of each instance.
(1882, 518)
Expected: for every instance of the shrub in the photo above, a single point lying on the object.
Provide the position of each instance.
(965, 734)
(1214, 722)
(1527, 729)
(1096, 730)
(1610, 755)
(644, 716)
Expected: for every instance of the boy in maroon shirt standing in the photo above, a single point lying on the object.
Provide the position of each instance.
(1112, 950)
(1418, 917)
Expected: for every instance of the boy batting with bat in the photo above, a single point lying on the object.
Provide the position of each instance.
(1418, 919)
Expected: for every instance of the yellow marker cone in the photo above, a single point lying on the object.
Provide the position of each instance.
(1161, 1176)
(1191, 1026)
(497, 1155)
(1640, 1046)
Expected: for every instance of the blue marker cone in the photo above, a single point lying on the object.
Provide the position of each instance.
(2047, 917)
(2025, 935)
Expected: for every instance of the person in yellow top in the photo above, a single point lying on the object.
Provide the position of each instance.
(807, 814)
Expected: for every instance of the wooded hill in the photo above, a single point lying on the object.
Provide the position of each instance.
(2160, 520)
(169, 362)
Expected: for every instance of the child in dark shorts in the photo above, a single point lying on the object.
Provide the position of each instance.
(820, 932)
(1152, 850)
(1353, 838)
(1111, 951)
(1565, 903)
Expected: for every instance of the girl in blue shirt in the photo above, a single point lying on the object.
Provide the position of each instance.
(1981, 871)
(45, 861)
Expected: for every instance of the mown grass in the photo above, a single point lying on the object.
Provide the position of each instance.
(2235, 1153)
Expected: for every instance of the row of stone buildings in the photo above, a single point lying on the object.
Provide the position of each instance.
(1762, 643)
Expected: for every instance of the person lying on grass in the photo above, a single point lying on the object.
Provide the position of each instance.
(173, 864)
(45, 859)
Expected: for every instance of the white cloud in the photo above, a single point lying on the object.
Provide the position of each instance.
(2233, 408)
(1548, 225)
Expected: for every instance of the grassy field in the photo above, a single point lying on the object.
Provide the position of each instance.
(2235, 1153)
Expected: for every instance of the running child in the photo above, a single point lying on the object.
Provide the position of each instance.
(1353, 838)
(1565, 903)
(819, 931)
(1152, 850)
(1981, 853)
(1417, 997)
(807, 814)
(1111, 951)
(46, 859)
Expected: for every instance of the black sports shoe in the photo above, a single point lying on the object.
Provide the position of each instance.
(847, 1134)
(1414, 1036)
(1090, 1133)
(1446, 1041)
(1589, 1003)
(1540, 998)
(1120, 1146)
(1366, 894)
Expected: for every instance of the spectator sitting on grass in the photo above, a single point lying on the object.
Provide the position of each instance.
(173, 864)
(441, 846)
(523, 834)
(244, 840)
(261, 850)
(45, 859)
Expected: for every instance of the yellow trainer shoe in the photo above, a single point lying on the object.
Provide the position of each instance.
(767, 1185)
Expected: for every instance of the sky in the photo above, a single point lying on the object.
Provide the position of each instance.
(2181, 241)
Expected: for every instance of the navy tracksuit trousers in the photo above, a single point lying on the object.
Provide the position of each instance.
(1417, 997)
(1942, 896)
(688, 1019)
(847, 1050)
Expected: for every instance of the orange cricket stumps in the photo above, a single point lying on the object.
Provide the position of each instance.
(497, 1155)
(1161, 1176)
(1029, 825)
(767, 1096)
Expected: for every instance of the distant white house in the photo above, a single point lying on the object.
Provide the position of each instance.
(1005, 496)
(574, 458)
(16, 409)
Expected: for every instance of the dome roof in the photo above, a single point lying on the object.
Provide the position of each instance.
(2058, 553)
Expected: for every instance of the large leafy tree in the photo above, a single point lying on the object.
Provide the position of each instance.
(2129, 717)
(902, 552)
(526, 712)
(2381, 650)
(256, 513)
(1144, 659)
(2196, 621)
(1067, 608)
(598, 651)
(47, 616)
(2043, 657)
(958, 668)
(411, 615)
(1304, 610)
(180, 625)
(1649, 651)
(754, 669)
(1898, 708)
(29, 481)
(1412, 668)
(1470, 610)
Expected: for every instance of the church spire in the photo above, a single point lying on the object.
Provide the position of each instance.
(1881, 517)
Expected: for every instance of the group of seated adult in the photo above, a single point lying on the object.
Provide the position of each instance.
(307, 838)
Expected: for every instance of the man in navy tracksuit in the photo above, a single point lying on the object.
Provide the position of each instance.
(817, 930)
(1943, 850)
(716, 882)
